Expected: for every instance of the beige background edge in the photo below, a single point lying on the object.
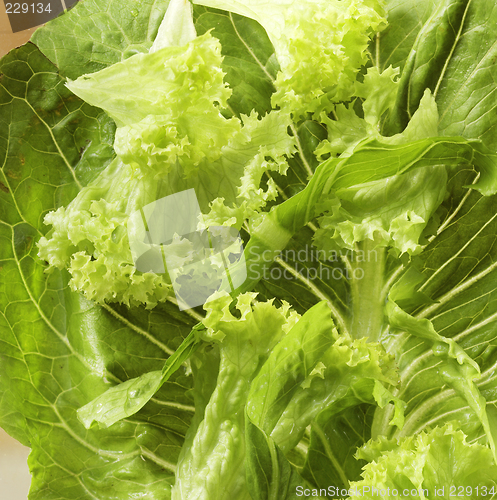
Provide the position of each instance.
(15, 478)
(9, 40)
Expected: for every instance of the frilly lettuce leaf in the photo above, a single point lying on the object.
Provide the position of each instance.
(89, 239)
(319, 65)
(394, 211)
(281, 370)
(370, 161)
(230, 181)
(158, 121)
(440, 458)
(377, 92)
(262, 146)
(345, 127)
(316, 369)
(171, 136)
(244, 344)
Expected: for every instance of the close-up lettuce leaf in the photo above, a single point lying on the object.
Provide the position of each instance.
(340, 162)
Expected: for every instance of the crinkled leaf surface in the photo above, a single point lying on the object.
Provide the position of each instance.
(424, 462)
(459, 264)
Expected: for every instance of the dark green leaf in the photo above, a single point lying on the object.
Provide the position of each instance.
(248, 58)
(57, 350)
(95, 34)
(126, 399)
(425, 65)
(269, 474)
(459, 278)
(334, 442)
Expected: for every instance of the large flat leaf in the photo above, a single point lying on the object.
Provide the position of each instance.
(405, 20)
(95, 34)
(426, 63)
(57, 350)
(458, 264)
(467, 93)
(459, 271)
(446, 33)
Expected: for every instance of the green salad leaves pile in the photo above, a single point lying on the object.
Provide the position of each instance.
(352, 146)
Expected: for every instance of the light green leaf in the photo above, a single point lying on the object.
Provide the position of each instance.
(290, 364)
(163, 75)
(99, 33)
(392, 212)
(171, 137)
(177, 28)
(440, 458)
(313, 369)
(370, 161)
(333, 53)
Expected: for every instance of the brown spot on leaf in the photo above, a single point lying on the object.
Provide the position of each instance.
(13, 175)
(4, 188)
(21, 157)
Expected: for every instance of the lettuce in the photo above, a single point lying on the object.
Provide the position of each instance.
(348, 148)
